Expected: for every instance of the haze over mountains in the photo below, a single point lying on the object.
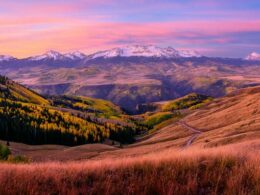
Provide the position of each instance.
(132, 75)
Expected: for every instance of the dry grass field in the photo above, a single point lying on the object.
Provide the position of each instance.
(224, 170)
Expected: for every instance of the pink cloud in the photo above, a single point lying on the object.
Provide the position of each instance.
(88, 36)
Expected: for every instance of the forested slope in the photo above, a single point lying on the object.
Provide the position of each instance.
(27, 117)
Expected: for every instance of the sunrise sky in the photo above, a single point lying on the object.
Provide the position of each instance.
(228, 28)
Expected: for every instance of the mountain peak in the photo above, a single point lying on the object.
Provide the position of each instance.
(75, 55)
(253, 56)
(51, 54)
(145, 51)
(54, 55)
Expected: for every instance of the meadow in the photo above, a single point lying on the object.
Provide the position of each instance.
(232, 169)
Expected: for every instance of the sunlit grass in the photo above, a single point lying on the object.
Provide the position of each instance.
(196, 171)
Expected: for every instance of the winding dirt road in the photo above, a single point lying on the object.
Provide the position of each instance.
(193, 137)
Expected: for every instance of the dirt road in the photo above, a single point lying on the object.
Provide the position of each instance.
(193, 137)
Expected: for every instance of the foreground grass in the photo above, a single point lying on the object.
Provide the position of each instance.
(194, 172)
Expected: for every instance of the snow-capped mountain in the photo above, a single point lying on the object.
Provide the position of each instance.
(145, 51)
(75, 55)
(253, 56)
(128, 51)
(54, 55)
(6, 58)
(48, 55)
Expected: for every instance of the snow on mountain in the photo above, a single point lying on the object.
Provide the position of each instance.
(145, 51)
(253, 56)
(54, 55)
(75, 55)
(5, 58)
(128, 51)
(48, 55)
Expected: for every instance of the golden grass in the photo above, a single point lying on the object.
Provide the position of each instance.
(226, 170)
(230, 119)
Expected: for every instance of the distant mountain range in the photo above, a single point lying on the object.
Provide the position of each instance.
(145, 51)
(132, 75)
(127, 51)
(58, 56)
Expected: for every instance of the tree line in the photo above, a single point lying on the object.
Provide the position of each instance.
(34, 124)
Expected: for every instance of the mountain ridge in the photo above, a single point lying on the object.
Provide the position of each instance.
(145, 51)
(127, 51)
(151, 51)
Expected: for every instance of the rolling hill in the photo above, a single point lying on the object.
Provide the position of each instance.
(233, 119)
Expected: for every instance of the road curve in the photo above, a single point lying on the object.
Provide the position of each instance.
(193, 137)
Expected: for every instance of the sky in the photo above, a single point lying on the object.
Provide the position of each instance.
(225, 28)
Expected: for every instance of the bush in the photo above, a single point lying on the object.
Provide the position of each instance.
(17, 159)
(4, 152)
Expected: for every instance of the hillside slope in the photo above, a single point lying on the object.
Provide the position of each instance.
(230, 119)
(234, 119)
(13, 91)
(29, 118)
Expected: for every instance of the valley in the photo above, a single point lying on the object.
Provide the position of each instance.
(215, 123)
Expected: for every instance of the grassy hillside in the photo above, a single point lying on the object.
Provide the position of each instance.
(229, 119)
(13, 91)
(159, 112)
(197, 171)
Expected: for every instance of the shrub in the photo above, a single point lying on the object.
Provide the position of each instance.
(17, 159)
(4, 152)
